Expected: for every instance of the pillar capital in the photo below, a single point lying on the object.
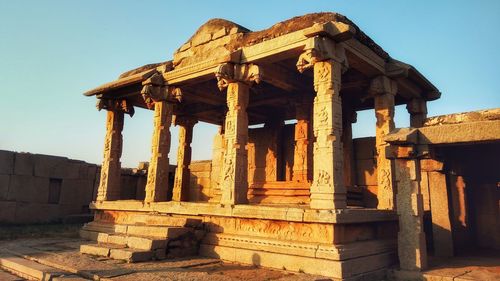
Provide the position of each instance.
(155, 89)
(230, 72)
(184, 121)
(319, 49)
(118, 105)
(417, 106)
(382, 85)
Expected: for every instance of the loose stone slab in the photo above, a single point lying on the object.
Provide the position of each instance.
(131, 255)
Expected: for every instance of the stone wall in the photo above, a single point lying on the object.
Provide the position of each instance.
(37, 188)
(366, 169)
(199, 181)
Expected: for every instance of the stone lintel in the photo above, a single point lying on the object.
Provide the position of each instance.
(402, 136)
(481, 131)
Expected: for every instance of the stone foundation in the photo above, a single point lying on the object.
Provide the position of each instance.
(344, 244)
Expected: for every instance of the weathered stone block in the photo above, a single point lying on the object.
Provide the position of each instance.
(364, 148)
(366, 172)
(36, 213)
(4, 186)
(117, 239)
(24, 164)
(157, 231)
(76, 191)
(56, 167)
(6, 162)
(131, 255)
(7, 212)
(144, 243)
(96, 250)
(29, 189)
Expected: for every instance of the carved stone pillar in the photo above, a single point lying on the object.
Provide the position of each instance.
(328, 59)
(109, 186)
(384, 89)
(157, 94)
(157, 183)
(217, 162)
(411, 237)
(418, 112)
(182, 173)
(301, 172)
(234, 181)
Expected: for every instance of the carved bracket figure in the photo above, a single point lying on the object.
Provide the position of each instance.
(321, 49)
(230, 72)
(116, 105)
(155, 89)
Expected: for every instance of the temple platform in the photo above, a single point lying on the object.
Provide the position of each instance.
(347, 244)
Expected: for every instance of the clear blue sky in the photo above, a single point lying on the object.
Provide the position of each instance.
(53, 51)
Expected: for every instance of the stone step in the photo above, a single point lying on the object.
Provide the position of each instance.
(28, 269)
(5, 276)
(171, 232)
(131, 255)
(121, 252)
(100, 249)
(93, 230)
(137, 242)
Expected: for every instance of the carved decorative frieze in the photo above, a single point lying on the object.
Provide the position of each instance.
(229, 72)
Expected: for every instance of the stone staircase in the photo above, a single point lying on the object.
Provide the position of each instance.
(136, 243)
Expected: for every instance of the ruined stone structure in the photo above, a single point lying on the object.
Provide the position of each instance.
(38, 188)
(287, 187)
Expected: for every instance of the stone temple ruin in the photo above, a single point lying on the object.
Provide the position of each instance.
(302, 196)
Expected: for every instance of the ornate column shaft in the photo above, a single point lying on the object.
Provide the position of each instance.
(234, 181)
(418, 112)
(411, 237)
(328, 190)
(301, 172)
(328, 59)
(384, 90)
(159, 96)
(109, 185)
(182, 173)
